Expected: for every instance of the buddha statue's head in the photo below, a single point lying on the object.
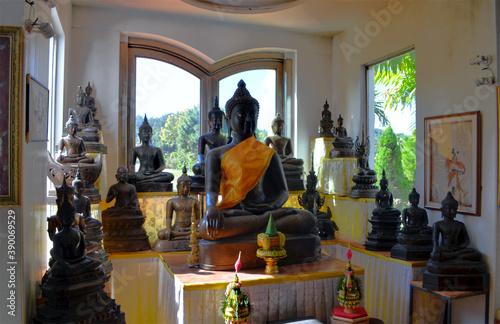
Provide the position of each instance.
(215, 117)
(340, 120)
(80, 96)
(277, 124)
(145, 131)
(71, 125)
(242, 111)
(78, 183)
(449, 206)
(414, 197)
(122, 174)
(184, 183)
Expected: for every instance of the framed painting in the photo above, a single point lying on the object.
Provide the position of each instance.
(453, 161)
(11, 58)
(37, 110)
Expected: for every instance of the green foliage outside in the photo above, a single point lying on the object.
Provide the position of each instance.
(389, 158)
(396, 153)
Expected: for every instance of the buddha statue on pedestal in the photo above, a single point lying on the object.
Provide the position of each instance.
(81, 113)
(385, 220)
(176, 237)
(123, 222)
(150, 177)
(93, 227)
(342, 145)
(207, 142)
(71, 147)
(71, 157)
(313, 201)
(326, 122)
(366, 178)
(247, 201)
(293, 167)
(74, 286)
(415, 238)
(453, 265)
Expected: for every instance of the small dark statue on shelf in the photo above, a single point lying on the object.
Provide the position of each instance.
(312, 200)
(342, 146)
(233, 224)
(453, 265)
(366, 178)
(293, 167)
(326, 122)
(415, 238)
(122, 223)
(385, 220)
(74, 287)
(150, 176)
(207, 142)
(176, 237)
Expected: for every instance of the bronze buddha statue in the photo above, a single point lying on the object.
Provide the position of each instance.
(249, 200)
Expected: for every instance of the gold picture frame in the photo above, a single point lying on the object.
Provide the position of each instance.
(11, 64)
(453, 161)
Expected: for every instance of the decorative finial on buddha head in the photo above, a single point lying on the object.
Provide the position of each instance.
(71, 121)
(241, 95)
(215, 110)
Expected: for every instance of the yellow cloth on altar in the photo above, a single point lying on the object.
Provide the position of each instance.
(242, 168)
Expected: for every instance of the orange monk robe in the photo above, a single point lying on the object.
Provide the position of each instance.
(242, 168)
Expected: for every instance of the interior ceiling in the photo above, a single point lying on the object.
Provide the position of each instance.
(317, 17)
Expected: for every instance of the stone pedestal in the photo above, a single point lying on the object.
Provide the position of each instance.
(456, 282)
(220, 255)
(412, 247)
(336, 176)
(385, 227)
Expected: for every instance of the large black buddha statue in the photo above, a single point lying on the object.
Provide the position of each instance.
(453, 265)
(415, 238)
(385, 220)
(293, 167)
(150, 176)
(74, 287)
(249, 176)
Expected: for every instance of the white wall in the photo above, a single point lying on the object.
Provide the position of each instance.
(95, 58)
(446, 34)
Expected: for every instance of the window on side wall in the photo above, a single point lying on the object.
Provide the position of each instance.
(391, 122)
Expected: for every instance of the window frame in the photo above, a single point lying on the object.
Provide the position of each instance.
(209, 73)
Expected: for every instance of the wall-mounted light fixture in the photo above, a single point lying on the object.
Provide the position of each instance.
(38, 26)
(484, 60)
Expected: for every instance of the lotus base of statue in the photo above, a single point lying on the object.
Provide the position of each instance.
(90, 172)
(412, 247)
(385, 228)
(171, 246)
(219, 255)
(365, 186)
(342, 149)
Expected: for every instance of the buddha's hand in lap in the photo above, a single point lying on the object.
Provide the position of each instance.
(215, 221)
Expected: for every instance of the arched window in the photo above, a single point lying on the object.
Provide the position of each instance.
(176, 87)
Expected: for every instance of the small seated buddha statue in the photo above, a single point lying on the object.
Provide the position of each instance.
(366, 178)
(150, 176)
(82, 114)
(89, 100)
(385, 220)
(415, 238)
(326, 122)
(342, 145)
(313, 201)
(176, 237)
(122, 223)
(75, 281)
(73, 145)
(247, 202)
(453, 265)
(207, 142)
(293, 167)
